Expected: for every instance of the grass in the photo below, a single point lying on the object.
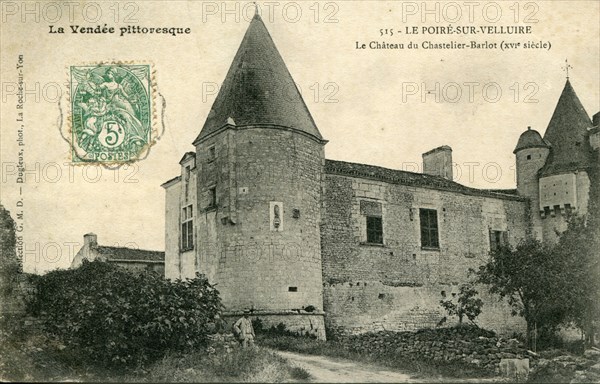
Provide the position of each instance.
(418, 368)
(31, 356)
(240, 365)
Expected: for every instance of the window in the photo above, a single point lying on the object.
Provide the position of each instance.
(187, 228)
(187, 181)
(372, 212)
(212, 154)
(374, 230)
(212, 197)
(498, 239)
(429, 228)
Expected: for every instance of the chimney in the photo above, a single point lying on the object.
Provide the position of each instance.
(90, 240)
(596, 120)
(438, 162)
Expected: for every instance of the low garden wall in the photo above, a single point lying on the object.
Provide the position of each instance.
(459, 345)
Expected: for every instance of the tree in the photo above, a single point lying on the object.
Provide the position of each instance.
(108, 315)
(531, 277)
(579, 247)
(468, 304)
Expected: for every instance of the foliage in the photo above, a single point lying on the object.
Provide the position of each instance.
(35, 357)
(579, 247)
(120, 319)
(554, 285)
(531, 278)
(467, 304)
(7, 239)
(10, 265)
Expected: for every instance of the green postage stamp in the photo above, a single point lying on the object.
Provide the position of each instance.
(111, 112)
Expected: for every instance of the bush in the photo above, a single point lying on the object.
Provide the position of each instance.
(467, 304)
(120, 319)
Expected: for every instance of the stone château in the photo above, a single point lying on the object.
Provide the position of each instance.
(307, 241)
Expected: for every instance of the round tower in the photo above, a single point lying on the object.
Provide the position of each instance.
(260, 160)
(531, 153)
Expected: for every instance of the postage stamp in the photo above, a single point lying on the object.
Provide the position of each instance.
(111, 112)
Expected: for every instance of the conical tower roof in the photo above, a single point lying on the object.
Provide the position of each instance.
(259, 90)
(530, 139)
(567, 134)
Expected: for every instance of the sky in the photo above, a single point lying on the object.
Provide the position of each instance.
(376, 106)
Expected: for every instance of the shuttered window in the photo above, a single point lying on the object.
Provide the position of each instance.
(429, 228)
(374, 230)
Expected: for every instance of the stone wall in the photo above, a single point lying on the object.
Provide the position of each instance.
(398, 285)
(447, 346)
(300, 322)
(180, 263)
(254, 264)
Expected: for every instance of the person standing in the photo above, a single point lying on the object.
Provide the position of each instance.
(243, 328)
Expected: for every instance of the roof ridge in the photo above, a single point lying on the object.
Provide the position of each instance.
(437, 182)
(128, 248)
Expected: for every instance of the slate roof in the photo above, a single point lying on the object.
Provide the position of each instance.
(130, 254)
(393, 176)
(530, 139)
(568, 136)
(258, 89)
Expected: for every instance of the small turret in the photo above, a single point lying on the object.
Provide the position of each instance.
(531, 153)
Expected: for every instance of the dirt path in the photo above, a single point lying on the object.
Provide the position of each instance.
(335, 370)
(325, 369)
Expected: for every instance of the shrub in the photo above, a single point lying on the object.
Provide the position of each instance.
(468, 304)
(121, 319)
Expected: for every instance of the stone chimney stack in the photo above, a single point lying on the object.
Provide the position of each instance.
(90, 240)
(438, 162)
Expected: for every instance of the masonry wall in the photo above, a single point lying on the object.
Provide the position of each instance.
(180, 263)
(529, 161)
(568, 188)
(398, 285)
(253, 264)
